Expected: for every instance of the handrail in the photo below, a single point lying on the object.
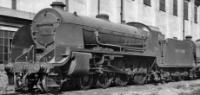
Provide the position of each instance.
(111, 45)
(28, 51)
(98, 41)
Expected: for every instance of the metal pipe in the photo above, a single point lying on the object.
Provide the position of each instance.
(67, 5)
(184, 4)
(98, 6)
(183, 24)
(3, 53)
(14, 4)
(122, 11)
(110, 45)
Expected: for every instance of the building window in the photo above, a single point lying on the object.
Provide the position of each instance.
(175, 8)
(186, 10)
(147, 2)
(162, 5)
(195, 14)
(5, 38)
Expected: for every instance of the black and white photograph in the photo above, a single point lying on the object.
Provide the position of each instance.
(99, 47)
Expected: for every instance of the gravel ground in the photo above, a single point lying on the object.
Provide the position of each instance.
(172, 88)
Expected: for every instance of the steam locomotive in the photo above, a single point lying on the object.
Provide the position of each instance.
(63, 49)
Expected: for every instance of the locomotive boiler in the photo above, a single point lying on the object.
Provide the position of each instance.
(63, 49)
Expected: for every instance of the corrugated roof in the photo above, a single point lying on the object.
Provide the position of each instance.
(16, 13)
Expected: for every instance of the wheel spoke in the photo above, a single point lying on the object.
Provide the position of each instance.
(49, 85)
(122, 80)
(86, 82)
(140, 78)
(104, 80)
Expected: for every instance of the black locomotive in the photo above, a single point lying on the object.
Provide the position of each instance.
(61, 49)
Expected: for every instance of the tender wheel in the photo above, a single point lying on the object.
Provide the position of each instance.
(49, 85)
(86, 82)
(140, 78)
(122, 80)
(104, 80)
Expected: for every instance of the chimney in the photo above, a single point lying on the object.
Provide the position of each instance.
(188, 38)
(103, 17)
(58, 5)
